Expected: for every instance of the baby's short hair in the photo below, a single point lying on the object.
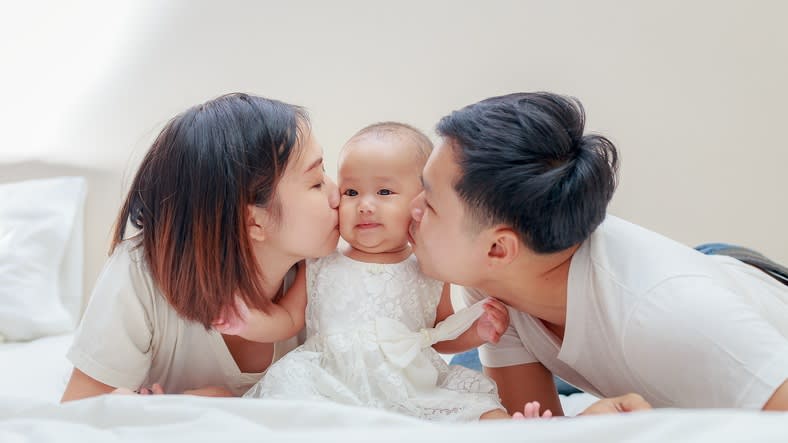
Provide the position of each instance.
(389, 128)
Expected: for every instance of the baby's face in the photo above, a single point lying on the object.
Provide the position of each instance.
(378, 178)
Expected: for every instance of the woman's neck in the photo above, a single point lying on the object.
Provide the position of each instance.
(394, 255)
(273, 267)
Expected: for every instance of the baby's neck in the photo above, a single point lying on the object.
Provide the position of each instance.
(395, 255)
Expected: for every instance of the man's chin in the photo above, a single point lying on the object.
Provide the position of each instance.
(424, 264)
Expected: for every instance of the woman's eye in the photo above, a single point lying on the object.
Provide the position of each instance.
(350, 193)
(385, 192)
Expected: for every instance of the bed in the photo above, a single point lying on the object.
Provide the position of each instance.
(34, 370)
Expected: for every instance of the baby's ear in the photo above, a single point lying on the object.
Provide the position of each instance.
(256, 220)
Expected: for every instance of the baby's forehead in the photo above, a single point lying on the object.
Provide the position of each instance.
(391, 143)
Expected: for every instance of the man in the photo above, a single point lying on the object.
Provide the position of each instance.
(514, 206)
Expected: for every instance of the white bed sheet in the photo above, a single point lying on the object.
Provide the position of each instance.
(33, 375)
(195, 419)
(37, 369)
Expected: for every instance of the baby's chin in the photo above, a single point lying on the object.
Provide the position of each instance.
(377, 248)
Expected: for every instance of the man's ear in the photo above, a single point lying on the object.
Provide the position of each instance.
(504, 246)
(256, 222)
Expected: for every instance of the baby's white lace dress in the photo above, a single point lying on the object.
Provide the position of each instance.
(368, 344)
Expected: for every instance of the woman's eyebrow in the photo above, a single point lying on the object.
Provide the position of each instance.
(314, 164)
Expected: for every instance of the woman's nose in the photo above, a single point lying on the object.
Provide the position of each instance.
(333, 192)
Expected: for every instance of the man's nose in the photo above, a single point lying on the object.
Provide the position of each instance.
(417, 207)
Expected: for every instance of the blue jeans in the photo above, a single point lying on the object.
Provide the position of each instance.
(470, 360)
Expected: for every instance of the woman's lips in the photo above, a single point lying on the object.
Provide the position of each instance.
(367, 225)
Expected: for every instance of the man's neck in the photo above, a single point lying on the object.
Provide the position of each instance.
(535, 284)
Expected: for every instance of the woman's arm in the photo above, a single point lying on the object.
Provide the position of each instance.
(779, 400)
(81, 385)
(284, 320)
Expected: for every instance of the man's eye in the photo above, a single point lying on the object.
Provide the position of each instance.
(385, 192)
(350, 193)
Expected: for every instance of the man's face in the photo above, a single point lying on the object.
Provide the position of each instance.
(447, 248)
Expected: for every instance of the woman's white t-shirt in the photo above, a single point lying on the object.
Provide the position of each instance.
(131, 337)
(648, 315)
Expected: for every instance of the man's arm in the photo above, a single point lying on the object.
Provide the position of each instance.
(486, 329)
(779, 400)
(520, 384)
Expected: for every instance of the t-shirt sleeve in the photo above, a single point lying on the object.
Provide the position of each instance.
(113, 341)
(694, 344)
(510, 349)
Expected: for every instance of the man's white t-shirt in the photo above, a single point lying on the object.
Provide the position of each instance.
(131, 337)
(648, 315)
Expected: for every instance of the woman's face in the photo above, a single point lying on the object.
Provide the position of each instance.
(307, 225)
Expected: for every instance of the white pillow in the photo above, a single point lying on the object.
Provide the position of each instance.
(41, 253)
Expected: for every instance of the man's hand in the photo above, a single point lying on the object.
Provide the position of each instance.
(624, 403)
(493, 323)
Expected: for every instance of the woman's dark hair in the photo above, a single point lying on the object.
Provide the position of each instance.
(190, 196)
(525, 163)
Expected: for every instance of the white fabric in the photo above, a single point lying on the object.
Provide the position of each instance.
(174, 419)
(36, 369)
(342, 359)
(648, 315)
(40, 256)
(404, 347)
(131, 337)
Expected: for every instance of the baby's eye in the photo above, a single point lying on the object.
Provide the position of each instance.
(318, 185)
(350, 193)
(385, 192)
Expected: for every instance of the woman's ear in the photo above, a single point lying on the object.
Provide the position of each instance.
(256, 221)
(504, 247)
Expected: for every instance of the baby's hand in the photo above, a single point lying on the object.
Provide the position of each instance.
(493, 323)
(531, 410)
(231, 324)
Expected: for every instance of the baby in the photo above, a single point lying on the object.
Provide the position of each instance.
(374, 321)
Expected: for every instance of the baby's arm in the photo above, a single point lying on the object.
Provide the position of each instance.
(488, 328)
(284, 319)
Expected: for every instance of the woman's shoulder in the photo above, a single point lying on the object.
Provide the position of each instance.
(126, 273)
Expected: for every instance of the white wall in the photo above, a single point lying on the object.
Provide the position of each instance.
(692, 93)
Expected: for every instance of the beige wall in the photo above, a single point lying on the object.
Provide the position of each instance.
(692, 92)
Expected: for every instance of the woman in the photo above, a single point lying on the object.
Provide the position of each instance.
(229, 198)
